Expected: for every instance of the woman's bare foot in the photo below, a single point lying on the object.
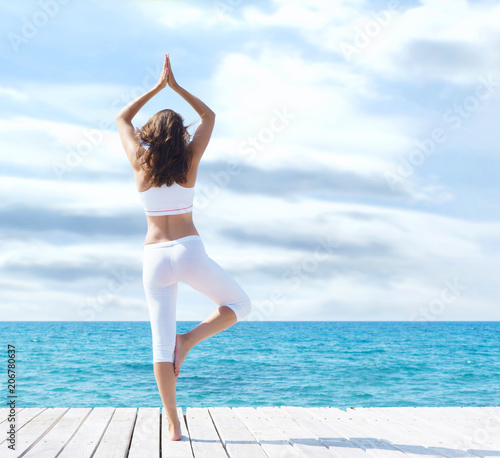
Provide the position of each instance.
(174, 432)
(180, 352)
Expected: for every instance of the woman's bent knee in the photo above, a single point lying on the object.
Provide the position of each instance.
(241, 308)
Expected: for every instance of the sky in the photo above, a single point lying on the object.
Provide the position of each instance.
(352, 172)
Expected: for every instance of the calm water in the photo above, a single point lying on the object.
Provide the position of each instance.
(308, 363)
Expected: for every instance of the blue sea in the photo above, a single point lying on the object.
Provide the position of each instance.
(306, 363)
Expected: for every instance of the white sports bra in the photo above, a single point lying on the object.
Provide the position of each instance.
(167, 200)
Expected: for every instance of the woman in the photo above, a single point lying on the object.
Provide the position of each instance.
(165, 165)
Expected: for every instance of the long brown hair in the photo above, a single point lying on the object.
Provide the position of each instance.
(165, 155)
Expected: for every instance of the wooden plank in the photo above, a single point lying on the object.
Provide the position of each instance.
(463, 423)
(5, 425)
(272, 440)
(482, 412)
(238, 441)
(24, 416)
(175, 449)
(361, 446)
(337, 441)
(36, 429)
(146, 434)
(459, 432)
(272, 432)
(448, 434)
(484, 423)
(299, 436)
(436, 436)
(425, 437)
(116, 440)
(4, 412)
(59, 435)
(204, 438)
(463, 426)
(84, 443)
(410, 441)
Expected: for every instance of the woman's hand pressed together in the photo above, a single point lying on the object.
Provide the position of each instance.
(171, 79)
(162, 82)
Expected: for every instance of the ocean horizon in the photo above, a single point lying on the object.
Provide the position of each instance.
(261, 363)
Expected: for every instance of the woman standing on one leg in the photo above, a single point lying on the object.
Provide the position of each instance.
(162, 158)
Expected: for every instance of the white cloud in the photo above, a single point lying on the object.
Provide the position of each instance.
(390, 261)
(60, 149)
(446, 40)
(399, 260)
(9, 92)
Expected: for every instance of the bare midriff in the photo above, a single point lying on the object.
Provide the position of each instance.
(165, 228)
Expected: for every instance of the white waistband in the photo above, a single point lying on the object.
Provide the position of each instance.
(173, 242)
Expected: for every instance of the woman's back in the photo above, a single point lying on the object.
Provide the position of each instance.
(168, 225)
(167, 200)
(165, 171)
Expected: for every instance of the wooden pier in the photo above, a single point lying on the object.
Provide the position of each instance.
(262, 432)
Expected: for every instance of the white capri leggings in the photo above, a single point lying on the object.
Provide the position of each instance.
(184, 260)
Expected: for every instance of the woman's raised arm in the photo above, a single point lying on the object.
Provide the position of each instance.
(203, 132)
(124, 118)
(194, 101)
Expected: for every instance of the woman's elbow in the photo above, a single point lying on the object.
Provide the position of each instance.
(209, 114)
